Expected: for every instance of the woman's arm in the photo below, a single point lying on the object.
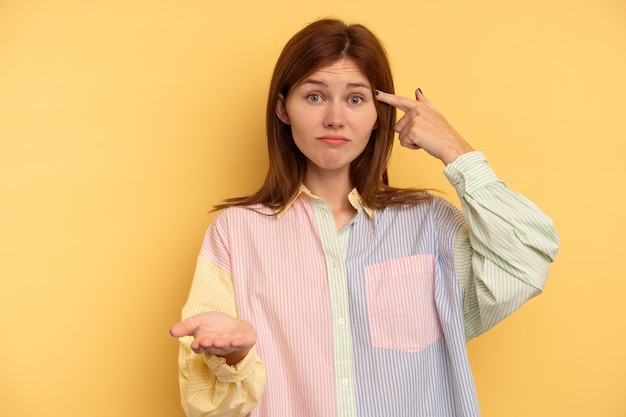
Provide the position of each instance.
(501, 258)
(219, 371)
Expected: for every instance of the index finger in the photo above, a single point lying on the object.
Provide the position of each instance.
(399, 102)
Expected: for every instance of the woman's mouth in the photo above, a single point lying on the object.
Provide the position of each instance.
(333, 140)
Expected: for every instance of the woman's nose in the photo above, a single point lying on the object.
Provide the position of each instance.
(334, 116)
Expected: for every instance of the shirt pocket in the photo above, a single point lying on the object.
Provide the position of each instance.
(401, 303)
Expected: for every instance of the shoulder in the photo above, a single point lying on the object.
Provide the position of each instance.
(436, 211)
(238, 216)
(243, 213)
(423, 202)
(233, 223)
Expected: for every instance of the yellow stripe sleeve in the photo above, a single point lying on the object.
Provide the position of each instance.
(208, 386)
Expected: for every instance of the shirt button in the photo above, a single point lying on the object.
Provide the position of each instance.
(344, 382)
(336, 263)
(341, 321)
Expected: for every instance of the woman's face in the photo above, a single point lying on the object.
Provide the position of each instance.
(331, 114)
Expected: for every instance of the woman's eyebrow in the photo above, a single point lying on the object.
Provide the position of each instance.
(358, 85)
(323, 84)
(314, 82)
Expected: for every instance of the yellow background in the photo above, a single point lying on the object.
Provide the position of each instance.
(123, 122)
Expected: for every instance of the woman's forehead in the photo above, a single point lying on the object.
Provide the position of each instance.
(344, 71)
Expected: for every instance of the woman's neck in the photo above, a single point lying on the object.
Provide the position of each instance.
(334, 190)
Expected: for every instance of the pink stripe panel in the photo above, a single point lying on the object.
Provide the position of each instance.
(287, 299)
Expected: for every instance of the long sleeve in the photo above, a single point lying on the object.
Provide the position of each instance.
(502, 257)
(208, 386)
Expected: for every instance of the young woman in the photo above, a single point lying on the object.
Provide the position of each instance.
(330, 293)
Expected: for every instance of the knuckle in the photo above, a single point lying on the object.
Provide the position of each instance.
(414, 110)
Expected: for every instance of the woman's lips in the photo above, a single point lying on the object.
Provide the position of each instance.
(333, 140)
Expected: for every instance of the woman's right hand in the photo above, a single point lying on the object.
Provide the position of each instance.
(219, 334)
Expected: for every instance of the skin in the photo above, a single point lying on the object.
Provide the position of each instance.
(331, 114)
(219, 334)
(424, 127)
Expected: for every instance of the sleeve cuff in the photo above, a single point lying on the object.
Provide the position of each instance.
(469, 172)
(231, 373)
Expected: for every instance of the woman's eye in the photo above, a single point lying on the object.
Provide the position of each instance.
(355, 100)
(314, 98)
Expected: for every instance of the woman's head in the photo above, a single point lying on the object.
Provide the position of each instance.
(319, 45)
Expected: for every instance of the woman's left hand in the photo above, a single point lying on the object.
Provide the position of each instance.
(424, 127)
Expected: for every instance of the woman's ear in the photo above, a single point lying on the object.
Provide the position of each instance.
(281, 109)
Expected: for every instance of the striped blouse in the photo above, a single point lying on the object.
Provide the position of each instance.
(371, 320)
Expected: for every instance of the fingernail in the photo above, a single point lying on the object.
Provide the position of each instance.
(376, 92)
(420, 90)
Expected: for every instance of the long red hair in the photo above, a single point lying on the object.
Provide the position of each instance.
(320, 44)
